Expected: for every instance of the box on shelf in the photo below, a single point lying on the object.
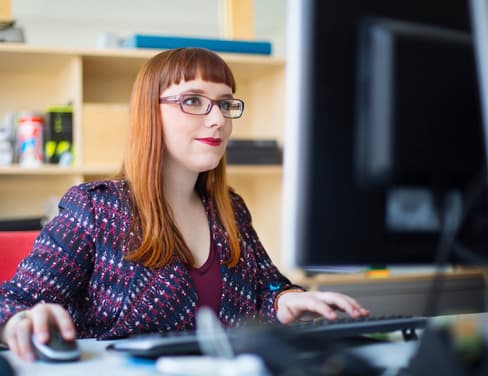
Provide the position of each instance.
(7, 139)
(215, 44)
(240, 151)
(58, 147)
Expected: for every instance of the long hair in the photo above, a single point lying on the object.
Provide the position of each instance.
(158, 238)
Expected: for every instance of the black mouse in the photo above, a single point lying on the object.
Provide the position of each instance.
(57, 349)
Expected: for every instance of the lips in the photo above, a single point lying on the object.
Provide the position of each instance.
(210, 141)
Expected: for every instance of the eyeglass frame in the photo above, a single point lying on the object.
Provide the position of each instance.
(176, 99)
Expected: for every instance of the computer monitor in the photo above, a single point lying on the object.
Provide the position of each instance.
(479, 18)
(384, 136)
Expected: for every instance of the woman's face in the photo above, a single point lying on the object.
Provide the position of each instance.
(195, 142)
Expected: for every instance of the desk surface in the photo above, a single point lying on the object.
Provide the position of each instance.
(98, 361)
(95, 360)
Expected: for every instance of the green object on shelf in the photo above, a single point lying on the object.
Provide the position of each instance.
(58, 147)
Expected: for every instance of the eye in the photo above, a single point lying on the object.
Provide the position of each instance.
(225, 104)
(193, 101)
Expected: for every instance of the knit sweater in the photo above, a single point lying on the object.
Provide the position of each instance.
(78, 262)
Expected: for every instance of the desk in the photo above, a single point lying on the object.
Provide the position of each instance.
(96, 361)
(460, 291)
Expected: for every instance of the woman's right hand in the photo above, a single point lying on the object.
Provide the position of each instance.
(19, 328)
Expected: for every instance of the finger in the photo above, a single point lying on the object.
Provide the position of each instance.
(45, 315)
(357, 308)
(40, 322)
(64, 322)
(348, 305)
(23, 333)
(344, 303)
(355, 304)
(324, 309)
(10, 339)
(314, 304)
(341, 302)
(297, 306)
(11, 331)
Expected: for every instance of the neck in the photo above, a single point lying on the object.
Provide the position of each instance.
(179, 186)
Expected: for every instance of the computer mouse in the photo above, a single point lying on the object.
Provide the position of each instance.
(57, 349)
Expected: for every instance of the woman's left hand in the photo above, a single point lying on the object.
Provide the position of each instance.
(310, 304)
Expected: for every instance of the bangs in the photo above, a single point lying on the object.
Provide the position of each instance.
(188, 64)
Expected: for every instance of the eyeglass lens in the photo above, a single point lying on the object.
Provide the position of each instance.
(200, 105)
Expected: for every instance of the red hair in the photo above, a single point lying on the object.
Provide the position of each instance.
(159, 239)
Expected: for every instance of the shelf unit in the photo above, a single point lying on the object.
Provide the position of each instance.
(98, 84)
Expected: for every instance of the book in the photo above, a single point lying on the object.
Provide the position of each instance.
(218, 45)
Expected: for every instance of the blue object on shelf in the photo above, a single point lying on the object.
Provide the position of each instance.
(219, 45)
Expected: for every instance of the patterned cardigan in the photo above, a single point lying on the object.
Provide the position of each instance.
(77, 261)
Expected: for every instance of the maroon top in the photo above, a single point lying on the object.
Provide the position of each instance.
(208, 281)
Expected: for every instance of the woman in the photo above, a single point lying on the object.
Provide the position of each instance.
(142, 252)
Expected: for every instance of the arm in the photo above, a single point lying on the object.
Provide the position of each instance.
(55, 272)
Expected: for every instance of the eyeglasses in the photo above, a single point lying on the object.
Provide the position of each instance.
(196, 104)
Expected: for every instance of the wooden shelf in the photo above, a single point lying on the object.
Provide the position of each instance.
(46, 170)
(251, 170)
(255, 170)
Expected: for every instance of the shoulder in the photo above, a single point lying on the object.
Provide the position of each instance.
(104, 187)
(104, 191)
(108, 186)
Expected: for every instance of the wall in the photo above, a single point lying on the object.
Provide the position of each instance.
(77, 23)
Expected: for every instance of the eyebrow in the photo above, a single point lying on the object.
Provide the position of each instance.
(202, 92)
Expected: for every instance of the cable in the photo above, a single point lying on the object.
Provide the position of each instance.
(467, 255)
(453, 214)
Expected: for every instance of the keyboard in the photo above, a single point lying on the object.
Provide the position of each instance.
(350, 327)
(186, 342)
(156, 345)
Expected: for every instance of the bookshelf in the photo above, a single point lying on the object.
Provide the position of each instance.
(98, 84)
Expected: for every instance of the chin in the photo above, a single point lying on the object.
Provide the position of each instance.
(210, 165)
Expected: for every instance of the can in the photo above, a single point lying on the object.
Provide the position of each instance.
(30, 130)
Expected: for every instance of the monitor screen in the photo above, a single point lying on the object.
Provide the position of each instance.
(384, 137)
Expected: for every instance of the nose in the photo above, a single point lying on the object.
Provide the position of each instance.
(214, 117)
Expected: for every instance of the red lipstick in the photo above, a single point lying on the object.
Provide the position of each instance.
(210, 141)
